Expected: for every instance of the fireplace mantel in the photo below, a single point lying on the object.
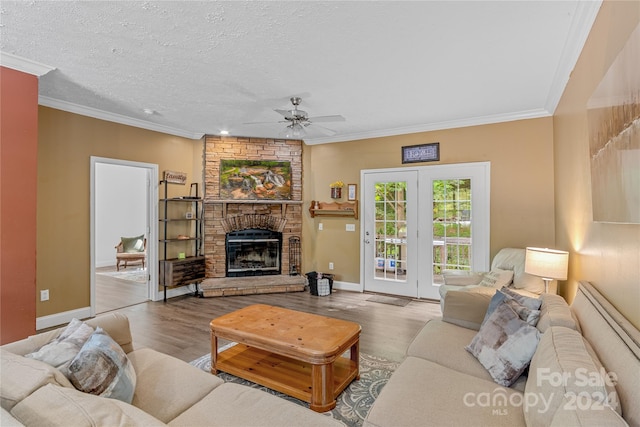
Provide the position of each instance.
(226, 202)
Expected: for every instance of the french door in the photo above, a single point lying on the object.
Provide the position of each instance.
(420, 221)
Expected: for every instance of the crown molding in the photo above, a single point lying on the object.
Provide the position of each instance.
(115, 118)
(24, 65)
(584, 17)
(451, 124)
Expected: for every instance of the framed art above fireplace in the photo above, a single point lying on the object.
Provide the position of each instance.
(255, 180)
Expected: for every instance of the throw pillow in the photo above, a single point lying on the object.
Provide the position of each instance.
(525, 313)
(133, 244)
(497, 278)
(532, 303)
(527, 302)
(61, 350)
(504, 345)
(102, 368)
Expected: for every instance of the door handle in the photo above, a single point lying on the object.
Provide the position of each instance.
(367, 241)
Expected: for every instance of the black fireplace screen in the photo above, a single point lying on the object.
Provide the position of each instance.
(253, 252)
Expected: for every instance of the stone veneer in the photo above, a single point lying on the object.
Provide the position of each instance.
(236, 148)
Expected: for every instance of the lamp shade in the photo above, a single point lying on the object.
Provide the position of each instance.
(547, 263)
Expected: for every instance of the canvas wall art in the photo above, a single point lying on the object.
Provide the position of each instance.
(613, 114)
(255, 180)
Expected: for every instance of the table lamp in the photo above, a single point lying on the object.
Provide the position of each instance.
(548, 264)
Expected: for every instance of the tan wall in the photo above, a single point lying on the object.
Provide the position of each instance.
(65, 144)
(606, 254)
(522, 201)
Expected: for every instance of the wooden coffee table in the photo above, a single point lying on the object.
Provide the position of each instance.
(296, 353)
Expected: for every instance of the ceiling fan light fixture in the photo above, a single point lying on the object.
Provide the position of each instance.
(294, 130)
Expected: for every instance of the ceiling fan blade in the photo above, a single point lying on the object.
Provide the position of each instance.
(324, 130)
(283, 112)
(336, 118)
(260, 123)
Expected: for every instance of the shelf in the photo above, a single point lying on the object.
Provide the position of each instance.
(337, 209)
(181, 199)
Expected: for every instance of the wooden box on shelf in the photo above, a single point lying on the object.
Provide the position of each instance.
(344, 209)
(178, 272)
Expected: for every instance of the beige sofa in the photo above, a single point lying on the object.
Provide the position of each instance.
(441, 384)
(168, 391)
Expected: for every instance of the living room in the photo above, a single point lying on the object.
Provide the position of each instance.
(540, 190)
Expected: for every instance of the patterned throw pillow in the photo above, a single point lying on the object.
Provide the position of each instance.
(60, 351)
(504, 345)
(497, 278)
(505, 293)
(525, 313)
(102, 368)
(532, 303)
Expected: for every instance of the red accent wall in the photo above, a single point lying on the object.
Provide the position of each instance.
(18, 177)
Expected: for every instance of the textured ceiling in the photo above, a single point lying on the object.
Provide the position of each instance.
(387, 67)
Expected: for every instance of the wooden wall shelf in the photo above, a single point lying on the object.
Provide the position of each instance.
(340, 209)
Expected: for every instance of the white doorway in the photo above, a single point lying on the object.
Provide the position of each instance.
(419, 221)
(123, 204)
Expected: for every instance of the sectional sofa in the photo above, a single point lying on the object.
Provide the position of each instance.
(168, 391)
(585, 370)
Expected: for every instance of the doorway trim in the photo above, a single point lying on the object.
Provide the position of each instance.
(152, 221)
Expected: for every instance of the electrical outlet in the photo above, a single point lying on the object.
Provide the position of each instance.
(330, 266)
(350, 227)
(44, 295)
(320, 226)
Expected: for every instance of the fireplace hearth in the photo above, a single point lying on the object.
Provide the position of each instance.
(253, 252)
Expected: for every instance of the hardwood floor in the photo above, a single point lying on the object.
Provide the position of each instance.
(180, 327)
(113, 293)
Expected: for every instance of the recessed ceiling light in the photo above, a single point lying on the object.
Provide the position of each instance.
(148, 111)
(224, 132)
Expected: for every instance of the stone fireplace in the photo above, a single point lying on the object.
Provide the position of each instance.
(255, 233)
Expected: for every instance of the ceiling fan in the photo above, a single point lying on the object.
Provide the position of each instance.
(299, 119)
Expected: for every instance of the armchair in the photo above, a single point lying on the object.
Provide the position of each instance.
(507, 269)
(131, 249)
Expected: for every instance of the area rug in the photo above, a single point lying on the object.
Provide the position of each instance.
(131, 274)
(352, 405)
(400, 302)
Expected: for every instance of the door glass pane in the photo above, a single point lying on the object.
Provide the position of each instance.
(451, 226)
(391, 231)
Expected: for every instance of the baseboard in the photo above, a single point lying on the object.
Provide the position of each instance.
(347, 286)
(65, 317)
(176, 292)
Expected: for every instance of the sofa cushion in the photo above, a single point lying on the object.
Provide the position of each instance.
(555, 311)
(57, 406)
(60, 351)
(20, 376)
(421, 392)
(504, 345)
(8, 420)
(514, 259)
(562, 368)
(466, 308)
(443, 343)
(102, 368)
(167, 386)
(238, 405)
(497, 278)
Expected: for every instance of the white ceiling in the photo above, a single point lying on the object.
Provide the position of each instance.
(388, 67)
